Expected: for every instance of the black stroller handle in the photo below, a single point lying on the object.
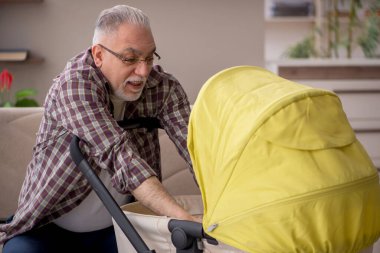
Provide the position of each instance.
(185, 235)
(109, 202)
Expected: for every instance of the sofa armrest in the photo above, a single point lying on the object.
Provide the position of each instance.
(176, 176)
(18, 128)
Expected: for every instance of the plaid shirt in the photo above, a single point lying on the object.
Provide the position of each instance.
(78, 103)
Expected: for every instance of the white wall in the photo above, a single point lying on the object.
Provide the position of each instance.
(195, 38)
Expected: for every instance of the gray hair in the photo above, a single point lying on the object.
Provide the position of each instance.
(110, 19)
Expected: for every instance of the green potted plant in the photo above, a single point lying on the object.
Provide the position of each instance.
(331, 35)
(370, 39)
(303, 49)
(22, 98)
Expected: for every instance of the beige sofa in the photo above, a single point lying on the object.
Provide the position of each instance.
(18, 127)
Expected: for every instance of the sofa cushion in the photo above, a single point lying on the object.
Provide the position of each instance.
(18, 128)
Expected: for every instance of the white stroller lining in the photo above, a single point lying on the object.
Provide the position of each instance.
(154, 230)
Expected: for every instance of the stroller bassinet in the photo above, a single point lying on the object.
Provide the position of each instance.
(279, 166)
(279, 169)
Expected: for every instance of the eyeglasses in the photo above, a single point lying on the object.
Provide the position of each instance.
(132, 61)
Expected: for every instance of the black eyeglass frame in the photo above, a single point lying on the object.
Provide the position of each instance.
(131, 61)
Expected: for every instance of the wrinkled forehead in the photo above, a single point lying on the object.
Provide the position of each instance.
(138, 52)
(134, 39)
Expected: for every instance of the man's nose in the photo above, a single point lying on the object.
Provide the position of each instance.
(143, 68)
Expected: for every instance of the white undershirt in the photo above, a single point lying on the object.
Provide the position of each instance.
(91, 214)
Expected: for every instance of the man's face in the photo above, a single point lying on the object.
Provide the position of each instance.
(116, 55)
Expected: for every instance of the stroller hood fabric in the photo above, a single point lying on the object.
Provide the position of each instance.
(279, 166)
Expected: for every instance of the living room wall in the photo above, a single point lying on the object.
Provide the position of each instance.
(195, 38)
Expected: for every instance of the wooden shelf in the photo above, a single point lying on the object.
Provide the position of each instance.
(330, 72)
(30, 60)
(305, 19)
(313, 62)
(19, 1)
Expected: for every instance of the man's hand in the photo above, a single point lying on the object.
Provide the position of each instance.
(153, 195)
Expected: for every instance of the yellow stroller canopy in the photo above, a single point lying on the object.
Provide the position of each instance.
(279, 166)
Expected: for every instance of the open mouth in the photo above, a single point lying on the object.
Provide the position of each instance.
(135, 85)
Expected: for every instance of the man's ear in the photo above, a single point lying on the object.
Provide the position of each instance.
(97, 54)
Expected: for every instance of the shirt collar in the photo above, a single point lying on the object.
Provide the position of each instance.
(90, 61)
(154, 77)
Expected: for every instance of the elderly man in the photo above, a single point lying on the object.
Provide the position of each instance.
(113, 80)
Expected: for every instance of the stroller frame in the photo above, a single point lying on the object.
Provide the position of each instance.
(185, 235)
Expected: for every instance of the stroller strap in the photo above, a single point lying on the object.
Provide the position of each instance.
(140, 122)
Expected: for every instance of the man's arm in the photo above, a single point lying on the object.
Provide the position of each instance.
(153, 195)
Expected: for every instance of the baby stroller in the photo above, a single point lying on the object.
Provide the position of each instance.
(185, 235)
(279, 169)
